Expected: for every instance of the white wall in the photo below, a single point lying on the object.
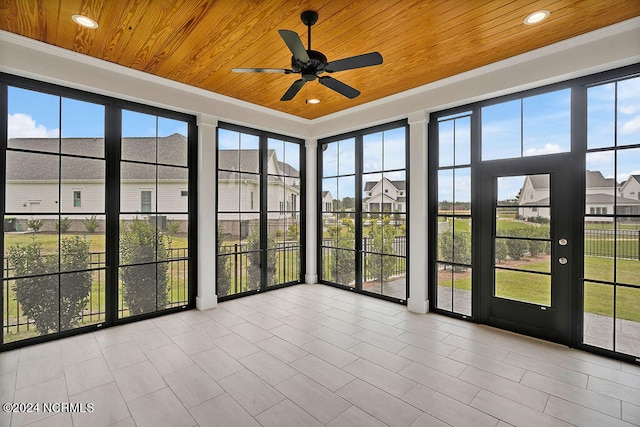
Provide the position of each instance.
(600, 50)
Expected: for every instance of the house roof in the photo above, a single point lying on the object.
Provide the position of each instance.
(593, 179)
(400, 185)
(23, 166)
(599, 198)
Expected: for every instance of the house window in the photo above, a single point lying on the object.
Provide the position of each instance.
(592, 210)
(77, 199)
(184, 193)
(145, 201)
(534, 209)
(604, 211)
(251, 200)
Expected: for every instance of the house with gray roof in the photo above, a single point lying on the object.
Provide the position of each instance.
(384, 196)
(602, 195)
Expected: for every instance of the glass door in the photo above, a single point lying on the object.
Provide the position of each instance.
(527, 240)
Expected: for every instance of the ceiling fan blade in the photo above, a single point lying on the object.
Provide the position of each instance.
(338, 86)
(262, 70)
(295, 45)
(365, 60)
(293, 90)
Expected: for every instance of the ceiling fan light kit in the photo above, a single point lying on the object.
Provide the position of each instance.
(311, 63)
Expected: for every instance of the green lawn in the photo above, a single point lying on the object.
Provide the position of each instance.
(598, 298)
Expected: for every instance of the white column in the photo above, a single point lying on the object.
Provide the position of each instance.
(206, 297)
(418, 301)
(311, 256)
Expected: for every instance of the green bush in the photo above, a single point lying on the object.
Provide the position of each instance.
(223, 274)
(254, 268)
(91, 224)
(382, 236)
(502, 251)
(144, 281)
(34, 224)
(54, 302)
(340, 264)
(455, 248)
(173, 227)
(63, 225)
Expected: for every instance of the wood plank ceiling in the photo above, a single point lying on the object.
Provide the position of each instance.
(198, 42)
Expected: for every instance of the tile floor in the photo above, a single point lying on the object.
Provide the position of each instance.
(312, 355)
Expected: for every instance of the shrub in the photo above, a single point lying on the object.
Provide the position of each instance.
(63, 225)
(34, 224)
(254, 270)
(53, 305)
(173, 227)
(223, 274)
(455, 248)
(517, 248)
(144, 282)
(382, 236)
(91, 224)
(341, 262)
(502, 251)
(293, 231)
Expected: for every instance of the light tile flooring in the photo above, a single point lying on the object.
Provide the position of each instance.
(312, 355)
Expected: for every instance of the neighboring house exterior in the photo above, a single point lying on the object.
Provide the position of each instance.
(384, 196)
(38, 184)
(602, 195)
(327, 202)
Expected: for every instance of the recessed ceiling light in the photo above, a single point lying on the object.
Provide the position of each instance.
(313, 101)
(84, 21)
(536, 17)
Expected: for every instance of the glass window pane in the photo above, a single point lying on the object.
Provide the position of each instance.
(172, 141)
(344, 265)
(462, 240)
(462, 290)
(394, 149)
(510, 190)
(82, 128)
(372, 193)
(628, 178)
(83, 185)
(177, 273)
(347, 156)
(141, 292)
(228, 191)
(501, 126)
(546, 123)
(139, 132)
(628, 319)
(462, 190)
(172, 182)
(445, 192)
(292, 158)
(345, 231)
(137, 185)
(601, 116)
(446, 143)
(394, 188)
(628, 119)
(31, 244)
(34, 120)
(598, 315)
(32, 182)
(529, 255)
(329, 193)
(346, 193)
(463, 141)
(249, 153)
(249, 188)
(600, 183)
(329, 230)
(372, 152)
(526, 287)
(599, 241)
(445, 239)
(445, 287)
(330, 159)
(628, 250)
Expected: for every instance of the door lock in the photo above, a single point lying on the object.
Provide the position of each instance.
(562, 242)
(563, 260)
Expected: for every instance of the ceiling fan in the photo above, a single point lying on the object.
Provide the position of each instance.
(311, 63)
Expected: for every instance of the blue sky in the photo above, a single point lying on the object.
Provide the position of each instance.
(35, 114)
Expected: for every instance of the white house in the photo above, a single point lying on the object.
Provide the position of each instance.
(327, 201)
(384, 196)
(41, 184)
(602, 195)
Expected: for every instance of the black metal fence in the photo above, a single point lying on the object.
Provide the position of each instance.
(17, 326)
(623, 244)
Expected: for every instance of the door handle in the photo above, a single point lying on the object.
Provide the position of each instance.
(563, 260)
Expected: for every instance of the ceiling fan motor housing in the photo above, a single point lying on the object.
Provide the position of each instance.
(311, 69)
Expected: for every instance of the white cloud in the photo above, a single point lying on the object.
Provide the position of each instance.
(631, 126)
(547, 149)
(629, 108)
(23, 126)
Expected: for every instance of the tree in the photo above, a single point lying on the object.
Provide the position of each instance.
(455, 248)
(502, 251)
(54, 302)
(91, 224)
(144, 281)
(382, 237)
(340, 262)
(34, 224)
(254, 252)
(223, 274)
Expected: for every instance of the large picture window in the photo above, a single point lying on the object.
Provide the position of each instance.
(260, 185)
(94, 227)
(363, 219)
